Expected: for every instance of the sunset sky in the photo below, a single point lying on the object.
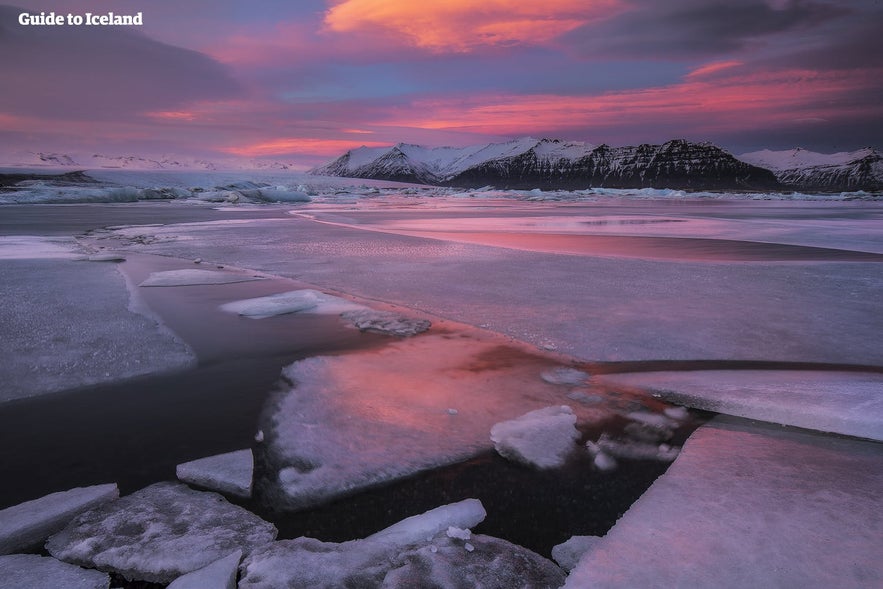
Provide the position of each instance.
(304, 81)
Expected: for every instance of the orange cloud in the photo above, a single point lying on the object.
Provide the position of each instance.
(297, 145)
(737, 102)
(464, 25)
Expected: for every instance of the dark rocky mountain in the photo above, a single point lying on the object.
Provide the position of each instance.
(553, 164)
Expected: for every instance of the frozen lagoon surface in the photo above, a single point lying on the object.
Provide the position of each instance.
(674, 284)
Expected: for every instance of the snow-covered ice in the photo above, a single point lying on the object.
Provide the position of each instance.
(293, 301)
(416, 552)
(220, 574)
(848, 403)
(230, 473)
(27, 524)
(543, 438)
(568, 554)
(750, 504)
(31, 571)
(360, 419)
(188, 277)
(160, 533)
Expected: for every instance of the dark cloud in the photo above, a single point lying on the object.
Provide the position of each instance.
(681, 29)
(99, 73)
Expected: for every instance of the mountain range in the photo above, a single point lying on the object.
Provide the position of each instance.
(527, 163)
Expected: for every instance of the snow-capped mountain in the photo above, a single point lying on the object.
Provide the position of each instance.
(808, 170)
(551, 163)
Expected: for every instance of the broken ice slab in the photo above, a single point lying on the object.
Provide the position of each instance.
(751, 504)
(416, 552)
(31, 571)
(189, 277)
(569, 553)
(27, 524)
(293, 301)
(160, 533)
(385, 322)
(220, 574)
(847, 403)
(362, 419)
(543, 438)
(230, 473)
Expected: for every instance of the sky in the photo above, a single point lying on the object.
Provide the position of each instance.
(302, 82)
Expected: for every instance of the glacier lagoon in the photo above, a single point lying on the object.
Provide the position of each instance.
(514, 286)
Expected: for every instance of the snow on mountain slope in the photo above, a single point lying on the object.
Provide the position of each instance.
(808, 170)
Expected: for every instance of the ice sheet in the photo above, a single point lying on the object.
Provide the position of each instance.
(357, 420)
(750, 505)
(848, 403)
(27, 524)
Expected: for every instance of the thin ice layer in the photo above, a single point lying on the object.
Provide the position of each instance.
(69, 324)
(360, 419)
(31, 571)
(27, 524)
(750, 505)
(190, 277)
(229, 473)
(848, 403)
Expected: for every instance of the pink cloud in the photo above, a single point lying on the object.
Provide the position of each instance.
(463, 25)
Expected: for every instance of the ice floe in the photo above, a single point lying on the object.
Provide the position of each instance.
(565, 375)
(189, 277)
(356, 420)
(543, 438)
(386, 322)
(568, 554)
(750, 504)
(230, 473)
(220, 574)
(27, 524)
(31, 571)
(416, 552)
(160, 533)
(293, 301)
(841, 402)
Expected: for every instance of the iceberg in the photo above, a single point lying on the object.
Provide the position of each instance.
(31, 571)
(160, 533)
(229, 473)
(27, 524)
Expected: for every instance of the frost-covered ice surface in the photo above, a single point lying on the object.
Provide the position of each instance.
(416, 552)
(160, 533)
(27, 524)
(648, 306)
(542, 438)
(357, 420)
(67, 324)
(386, 322)
(229, 473)
(568, 554)
(750, 505)
(30, 571)
(848, 403)
(188, 277)
(293, 301)
(220, 574)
